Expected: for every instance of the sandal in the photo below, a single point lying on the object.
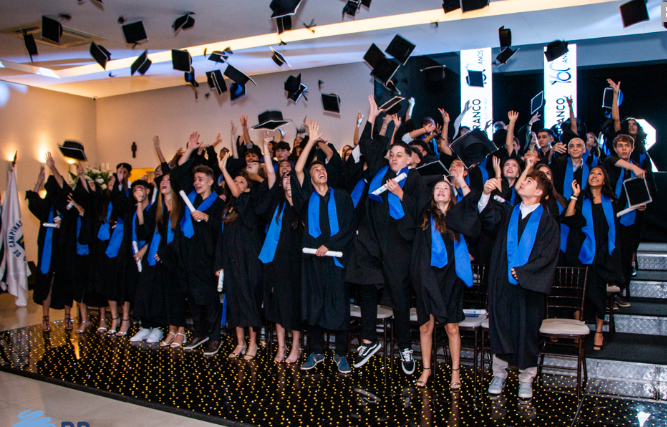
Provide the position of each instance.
(451, 386)
(598, 347)
(280, 359)
(83, 326)
(69, 325)
(422, 384)
(165, 342)
(178, 344)
(46, 326)
(102, 328)
(112, 331)
(235, 354)
(290, 360)
(122, 334)
(250, 354)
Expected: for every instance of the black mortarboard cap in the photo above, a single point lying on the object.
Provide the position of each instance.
(637, 191)
(216, 81)
(236, 91)
(331, 102)
(387, 106)
(134, 32)
(294, 88)
(141, 183)
(473, 147)
(555, 50)
(181, 60)
(505, 37)
(270, 120)
(366, 3)
(51, 29)
(475, 78)
(373, 55)
(124, 165)
(608, 98)
(30, 44)
(284, 23)
(400, 49)
(470, 5)
(184, 22)
(73, 150)
(218, 56)
(391, 85)
(434, 73)
(100, 54)
(278, 58)
(141, 64)
(190, 77)
(634, 12)
(384, 69)
(351, 7)
(237, 76)
(284, 7)
(433, 168)
(505, 55)
(451, 5)
(536, 103)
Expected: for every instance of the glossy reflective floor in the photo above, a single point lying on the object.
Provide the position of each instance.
(261, 392)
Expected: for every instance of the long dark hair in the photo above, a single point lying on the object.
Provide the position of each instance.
(229, 214)
(554, 195)
(433, 210)
(607, 189)
(596, 148)
(282, 200)
(175, 207)
(640, 138)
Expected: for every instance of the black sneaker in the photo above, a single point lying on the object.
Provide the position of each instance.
(195, 343)
(212, 348)
(622, 302)
(407, 362)
(634, 272)
(365, 352)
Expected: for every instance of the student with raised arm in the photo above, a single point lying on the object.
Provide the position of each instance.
(384, 243)
(327, 215)
(522, 269)
(195, 241)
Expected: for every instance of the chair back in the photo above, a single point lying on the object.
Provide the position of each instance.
(477, 296)
(568, 292)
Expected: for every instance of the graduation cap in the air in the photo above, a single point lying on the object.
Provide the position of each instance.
(536, 103)
(190, 77)
(433, 168)
(473, 147)
(434, 73)
(505, 37)
(451, 5)
(384, 69)
(295, 88)
(283, 11)
(73, 150)
(216, 81)
(184, 22)
(636, 189)
(30, 44)
(100, 54)
(284, 23)
(236, 91)
(331, 102)
(505, 55)
(134, 32)
(373, 55)
(51, 29)
(391, 105)
(270, 120)
(391, 85)
(218, 56)
(475, 78)
(278, 58)
(634, 12)
(470, 5)
(400, 49)
(555, 50)
(351, 7)
(237, 76)
(181, 60)
(141, 64)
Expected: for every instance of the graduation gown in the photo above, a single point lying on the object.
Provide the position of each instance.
(237, 253)
(558, 171)
(325, 297)
(102, 267)
(282, 276)
(516, 311)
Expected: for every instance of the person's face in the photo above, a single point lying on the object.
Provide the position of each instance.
(531, 153)
(463, 131)
(533, 138)
(595, 178)
(202, 183)
(287, 183)
(284, 167)
(515, 145)
(282, 154)
(442, 192)
(318, 174)
(398, 158)
(547, 171)
(140, 192)
(590, 141)
(623, 149)
(297, 140)
(347, 154)
(346, 148)
(576, 148)
(633, 127)
(544, 140)
(528, 189)
(457, 168)
(414, 160)
(242, 183)
(225, 151)
(165, 185)
(270, 147)
(158, 172)
(511, 169)
(251, 157)
(122, 173)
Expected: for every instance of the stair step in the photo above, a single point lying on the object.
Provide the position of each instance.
(648, 289)
(635, 348)
(638, 308)
(650, 275)
(650, 261)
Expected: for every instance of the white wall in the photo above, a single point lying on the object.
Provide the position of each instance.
(174, 113)
(32, 122)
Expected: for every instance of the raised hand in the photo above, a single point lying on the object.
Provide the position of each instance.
(559, 147)
(218, 140)
(156, 141)
(193, 142)
(314, 131)
(180, 151)
(576, 189)
(444, 114)
(429, 127)
(530, 162)
(48, 159)
(488, 124)
(491, 184)
(75, 204)
(615, 86)
(373, 113)
(513, 116)
(496, 167)
(467, 106)
(535, 118)
(397, 120)
(234, 127)
(223, 159)
(386, 119)
(41, 176)
(438, 129)
(568, 99)
(244, 120)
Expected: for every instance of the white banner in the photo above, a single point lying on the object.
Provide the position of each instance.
(481, 98)
(560, 81)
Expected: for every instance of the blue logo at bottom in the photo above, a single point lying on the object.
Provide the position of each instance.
(31, 418)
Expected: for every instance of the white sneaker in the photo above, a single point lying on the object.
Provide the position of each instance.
(155, 336)
(526, 390)
(141, 335)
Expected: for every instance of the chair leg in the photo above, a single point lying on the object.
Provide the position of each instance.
(384, 344)
(474, 353)
(579, 369)
(482, 359)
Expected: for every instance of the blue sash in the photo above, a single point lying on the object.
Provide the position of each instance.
(587, 252)
(273, 236)
(80, 249)
(116, 239)
(629, 218)
(436, 151)
(105, 229)
(186, 222)
(48, 242)
(395, 206)
(314, 217)
(485, 173)
(569, 176)
(513, 198)
(462, 264)
(358, 191)
(564, 231)
(518, 252)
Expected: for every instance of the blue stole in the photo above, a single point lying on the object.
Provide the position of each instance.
(395, 207)
(116, 239)
(80, 249)
(569, 176)
(587, 252)
(459, 193)
(518, 252)
(485, 173)
(462, 264)
(48, 242)
(105, 229)
(358, 191)
(186, 222)
(564, 231)
(436, 151)
(314, 217)
(268, 251)
(513, 198)
(629, 218)
(584, 158)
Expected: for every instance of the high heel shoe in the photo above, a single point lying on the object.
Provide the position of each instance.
(451, 386)
(119, 333)
(69, 325)
(598, 347)
(279, 359)
(291, 360)
(112, 331)
(235, 354)
(167, 342)
(251, 353)
(178, 344)
(46, 325)
(422, 384)
(102, 328)
(83, 326)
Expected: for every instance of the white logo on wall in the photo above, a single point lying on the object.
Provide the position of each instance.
(560, 81)
(481, 98)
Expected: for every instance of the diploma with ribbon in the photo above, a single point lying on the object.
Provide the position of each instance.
(221, 279)
(383, 188)
(312, 251)
(51, 225)
(135, 248)
(187, 202)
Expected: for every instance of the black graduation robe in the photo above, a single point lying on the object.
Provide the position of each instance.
(558, 169)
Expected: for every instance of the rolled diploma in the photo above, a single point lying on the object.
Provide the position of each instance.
(383, 188)
(312, 251)
(50, 225)
(187, 202)
(136, 251)
(221, 279)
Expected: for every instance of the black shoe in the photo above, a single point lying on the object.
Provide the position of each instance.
(212, 348)
(196, 342)
(622, 302)
(407, 362)
(365, 352)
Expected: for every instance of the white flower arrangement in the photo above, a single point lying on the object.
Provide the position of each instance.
(94, 175)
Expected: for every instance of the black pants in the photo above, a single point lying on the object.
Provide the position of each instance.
(145, 323)
(316, 339)
(206, 318)
(368, 301)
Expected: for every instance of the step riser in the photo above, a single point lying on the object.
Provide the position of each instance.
(647, 261)
(643, 325)
(648, 289)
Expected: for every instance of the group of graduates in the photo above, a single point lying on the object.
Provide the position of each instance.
(289, 235)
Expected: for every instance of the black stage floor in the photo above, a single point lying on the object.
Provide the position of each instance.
(263, 393)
